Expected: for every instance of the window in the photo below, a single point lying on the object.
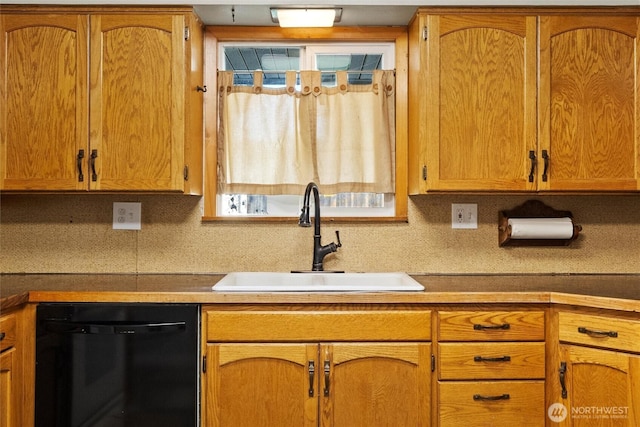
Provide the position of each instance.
(274, 59)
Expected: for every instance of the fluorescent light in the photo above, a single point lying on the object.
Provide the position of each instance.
(306, 17)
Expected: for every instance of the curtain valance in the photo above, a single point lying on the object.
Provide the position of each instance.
(276, 140)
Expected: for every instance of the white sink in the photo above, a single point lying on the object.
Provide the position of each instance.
(316, 282)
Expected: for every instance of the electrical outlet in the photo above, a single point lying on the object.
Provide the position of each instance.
(126, 216)
(464, 215)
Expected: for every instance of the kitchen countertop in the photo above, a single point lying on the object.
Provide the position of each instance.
(611, 291)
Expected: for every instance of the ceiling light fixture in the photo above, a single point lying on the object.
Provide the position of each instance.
(306, 17)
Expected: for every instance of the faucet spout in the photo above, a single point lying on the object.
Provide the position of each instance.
(319, 251)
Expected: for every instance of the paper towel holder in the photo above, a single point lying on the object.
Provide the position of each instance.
(532, 209)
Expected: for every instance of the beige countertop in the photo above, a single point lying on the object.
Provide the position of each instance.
(617, 292)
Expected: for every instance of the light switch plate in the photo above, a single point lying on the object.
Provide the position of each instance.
(464, 215)
(126, 215)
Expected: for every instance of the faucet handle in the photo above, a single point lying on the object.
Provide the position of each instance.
(338, 245)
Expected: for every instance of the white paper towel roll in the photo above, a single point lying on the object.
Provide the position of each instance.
(541, 228)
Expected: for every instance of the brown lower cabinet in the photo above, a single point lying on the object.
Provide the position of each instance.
(597, 382)
(491, 368)
(310, 385)
(395, 365)
(17, 328)
(344, 368)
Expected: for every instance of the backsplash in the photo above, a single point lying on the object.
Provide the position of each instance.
(73, 234)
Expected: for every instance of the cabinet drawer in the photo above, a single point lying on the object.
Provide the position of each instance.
(599, 331)
(7, 331)
(495, 404)
(491, 326)
(247, 326)
(491, 360)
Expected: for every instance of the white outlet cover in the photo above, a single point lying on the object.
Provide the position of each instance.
(127, 215)
(464, 215)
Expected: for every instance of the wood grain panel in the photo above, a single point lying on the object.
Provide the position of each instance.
(260, 385)
(400, 325)
(7, 331)
(376, 384)
(137, 121)
(589, 102)
(491, 325)
(523, 407)
(602, 387)
(480, 117)
(458, 360)
(598, 330)
(44, 120)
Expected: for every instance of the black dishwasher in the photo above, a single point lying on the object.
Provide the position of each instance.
(117, 365)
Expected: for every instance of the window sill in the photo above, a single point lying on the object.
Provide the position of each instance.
(294, 220)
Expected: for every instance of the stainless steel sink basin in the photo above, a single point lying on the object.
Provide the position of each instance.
(317, 282)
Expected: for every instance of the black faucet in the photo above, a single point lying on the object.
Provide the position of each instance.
(319, 251)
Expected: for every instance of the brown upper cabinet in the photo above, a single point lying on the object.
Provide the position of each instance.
(494, 109)
(102, 101)
(589, 102)
(472, 113)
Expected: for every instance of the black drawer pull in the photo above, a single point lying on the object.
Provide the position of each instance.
(492, 359)
(563, 377)
(532, 157)
(597, 333)
(94, 174)
(327, 371)
(312, 371)
(504, 396)
(504, 326)
(545, 156)
(2, 335)
(79, 158)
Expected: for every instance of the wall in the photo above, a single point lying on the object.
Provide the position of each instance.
(73, 234)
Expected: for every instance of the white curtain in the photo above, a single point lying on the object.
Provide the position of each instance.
(275, 141)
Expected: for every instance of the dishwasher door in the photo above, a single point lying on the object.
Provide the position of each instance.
(115, 365)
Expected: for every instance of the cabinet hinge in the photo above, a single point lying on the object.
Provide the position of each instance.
(425, 33)
(424, 173)
(185, 172)
(204, 364)
(433, 363)
(187, 33)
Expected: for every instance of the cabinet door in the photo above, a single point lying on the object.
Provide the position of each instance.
(9, 406)
(375, 384)
(137, 122)
(261, 385)
(43, 85)
(480, 115)
(589, 102)
(603, 388)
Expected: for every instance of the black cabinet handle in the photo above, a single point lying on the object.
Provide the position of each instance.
(327, 370)
(94, 175)
(2, 336)
(504, 396)
(532, 156)
(492, 359)
(545, 156)
(563, 378)
(597, 333)
(79, 158)
(478, 327)
(312, 371)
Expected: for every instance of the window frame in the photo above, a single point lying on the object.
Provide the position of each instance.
(216, 34)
